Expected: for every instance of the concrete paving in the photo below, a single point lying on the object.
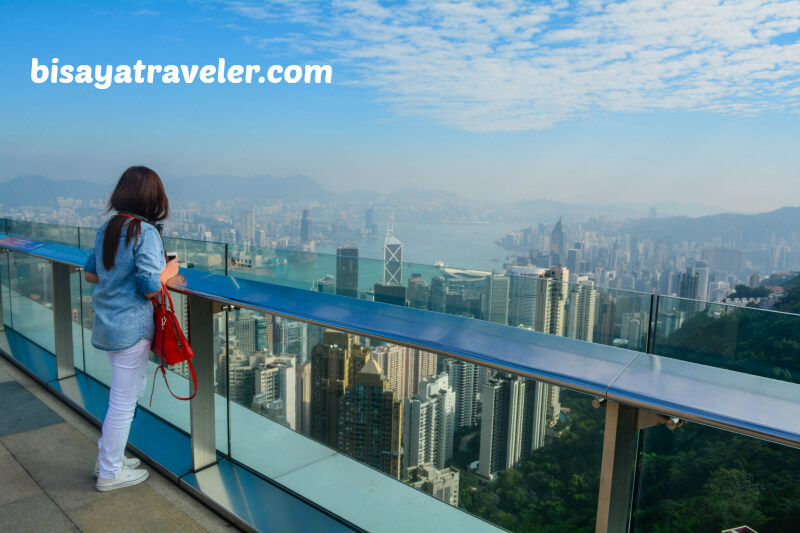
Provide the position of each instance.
(47, 452)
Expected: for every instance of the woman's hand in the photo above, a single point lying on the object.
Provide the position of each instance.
(170, 271)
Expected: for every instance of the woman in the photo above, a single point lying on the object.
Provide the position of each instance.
(130, 271)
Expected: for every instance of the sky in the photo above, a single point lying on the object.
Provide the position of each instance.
(641, 102)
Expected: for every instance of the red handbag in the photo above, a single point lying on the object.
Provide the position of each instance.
(169, 342)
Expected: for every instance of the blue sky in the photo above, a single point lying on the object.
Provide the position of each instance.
(646, 101)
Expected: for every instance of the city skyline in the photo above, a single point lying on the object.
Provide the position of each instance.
(575, 103)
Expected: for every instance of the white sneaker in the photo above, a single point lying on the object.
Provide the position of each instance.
(126, 478)
(128, 463)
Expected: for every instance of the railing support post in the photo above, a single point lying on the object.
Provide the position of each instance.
(616, 475)
(62, 320)
(201, 337)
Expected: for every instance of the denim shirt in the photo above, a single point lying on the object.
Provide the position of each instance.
(122, 314)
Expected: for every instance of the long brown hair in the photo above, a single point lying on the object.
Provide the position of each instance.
(139, 192)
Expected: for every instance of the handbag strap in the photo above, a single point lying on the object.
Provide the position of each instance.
(164, 373)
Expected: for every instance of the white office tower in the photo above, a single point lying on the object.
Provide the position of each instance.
(429, 424)
(551, 301)
(392, 258)
(464, 378)
(582, 299)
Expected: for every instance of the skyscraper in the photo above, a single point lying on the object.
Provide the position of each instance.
(688, 284)
(558, 241)
(370, 421)
(512, 422)
(499, 288)
(248, 229)
(464, 378)
(369, 222)
(580, 321)
(305, 227)
(392, 258)
(347, 271)
(524, 282)
(405, 367)
(551, 300)
(390, 293)
(335, 362)
(418, 293)
(429, 424)
(703, 273)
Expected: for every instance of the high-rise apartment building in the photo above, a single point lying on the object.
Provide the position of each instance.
(429, 424)
(370, 421)
(581, 312)
(512, 422)
(551, 301)
(689, 283)
(405, 367)
(464, 378)
(347, 271)
(335, 362)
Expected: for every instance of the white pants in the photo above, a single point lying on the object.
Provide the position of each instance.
(128, 381)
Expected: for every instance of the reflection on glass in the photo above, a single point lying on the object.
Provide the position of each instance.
(753, 341)
(521, 453)
(40, 231)
(5, 286)
(702, 479)
(31, 295)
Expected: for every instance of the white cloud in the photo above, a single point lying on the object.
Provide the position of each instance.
(514, 65)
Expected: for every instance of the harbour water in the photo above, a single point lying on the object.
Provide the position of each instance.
(470, 246)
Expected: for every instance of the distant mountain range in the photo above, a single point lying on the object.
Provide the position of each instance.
(740, 228)
(36, 190)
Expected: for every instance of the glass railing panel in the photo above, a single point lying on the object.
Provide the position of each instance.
(697, 478)
(176, 412)
(31, 299)
(5, 285)
(515, 451)
(40, 231)
(86, 238)
(577, 310)
(198, 255)
(753, 341)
